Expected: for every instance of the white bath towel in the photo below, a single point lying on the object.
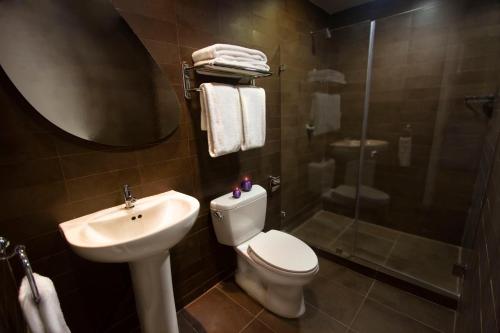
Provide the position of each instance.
(253, 65)
(45, 317)
(221, 118)
(325, 113)
(218, 50)
(253, 111)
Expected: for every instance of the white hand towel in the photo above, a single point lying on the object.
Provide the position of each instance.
(46, 317)
(253, 111)
(325, 113)
(217, 50)
(221, 117)
(253, 65)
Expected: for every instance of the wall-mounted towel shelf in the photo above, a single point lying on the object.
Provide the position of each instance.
(220, 70)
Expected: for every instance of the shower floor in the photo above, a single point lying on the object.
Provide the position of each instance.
(426, 261)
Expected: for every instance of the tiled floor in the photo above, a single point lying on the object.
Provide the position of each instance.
(423, 259)
(338, 300)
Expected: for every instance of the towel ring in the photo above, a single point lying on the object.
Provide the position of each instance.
(20, 250)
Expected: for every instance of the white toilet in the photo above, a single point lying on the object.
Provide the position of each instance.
(273, 266)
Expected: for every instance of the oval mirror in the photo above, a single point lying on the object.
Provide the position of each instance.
(80, 65)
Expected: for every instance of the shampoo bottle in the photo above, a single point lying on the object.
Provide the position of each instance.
(404, 147)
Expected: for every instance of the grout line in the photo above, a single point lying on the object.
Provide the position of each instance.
(391, 250)
(325, 313)
(362, 304)
(179, 313)
(251, 321)
(406, 315)
(234, 301)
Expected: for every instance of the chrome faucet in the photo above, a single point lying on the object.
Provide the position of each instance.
(127, 196)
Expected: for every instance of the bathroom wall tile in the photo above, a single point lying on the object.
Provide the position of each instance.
(92, 163)
(150, 28)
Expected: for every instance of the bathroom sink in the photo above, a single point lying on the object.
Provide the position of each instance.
(348, 149)
(117, 234)
(142, 236)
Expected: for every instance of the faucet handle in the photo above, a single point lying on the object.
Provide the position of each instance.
(126, 192)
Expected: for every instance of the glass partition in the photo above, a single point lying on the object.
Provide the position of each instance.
(403, 209)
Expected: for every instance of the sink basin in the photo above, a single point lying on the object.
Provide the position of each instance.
(348, 149)
(116, 234)
(142, 236)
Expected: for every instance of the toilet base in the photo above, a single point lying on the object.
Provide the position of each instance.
(284, 300)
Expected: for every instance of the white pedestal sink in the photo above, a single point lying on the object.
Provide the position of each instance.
(141, 236)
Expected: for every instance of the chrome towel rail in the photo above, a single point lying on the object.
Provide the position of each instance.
(20, 251)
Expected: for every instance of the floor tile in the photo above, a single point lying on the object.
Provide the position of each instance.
(257, 326)
(378, 231)
(184, 325)
(431, 314)
(368, 247)
(313, 321)
(322, 229)
(334, 299)
(344, 276)
(377, 318)
(425, 259)
(215, 312)
(233, 291)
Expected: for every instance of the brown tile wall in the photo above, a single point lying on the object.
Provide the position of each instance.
(479, 305)
(48, 176)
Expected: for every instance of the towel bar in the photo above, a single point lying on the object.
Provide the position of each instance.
(20, 250)
(220, 70)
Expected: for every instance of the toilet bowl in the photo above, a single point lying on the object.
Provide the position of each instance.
(272, 266)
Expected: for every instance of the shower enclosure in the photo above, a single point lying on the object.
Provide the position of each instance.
(382, 129)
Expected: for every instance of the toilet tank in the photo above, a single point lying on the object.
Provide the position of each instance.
(237, 220)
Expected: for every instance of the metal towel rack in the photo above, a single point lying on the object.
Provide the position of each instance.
(20, 250)
(220, 70)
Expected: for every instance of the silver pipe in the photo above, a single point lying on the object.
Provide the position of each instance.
(366, 107)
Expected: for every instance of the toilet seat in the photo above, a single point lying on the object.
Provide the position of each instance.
(282, 252)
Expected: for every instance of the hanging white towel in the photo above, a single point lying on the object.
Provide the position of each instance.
(221, 118)
(325, 113)
(46, 317)
(218, 50)
(253, 111)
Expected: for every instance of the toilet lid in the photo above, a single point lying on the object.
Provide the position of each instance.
(284, 252)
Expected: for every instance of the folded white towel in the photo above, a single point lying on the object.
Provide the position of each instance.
(326, 75)
(217, 50)
(325, 113)
(46, 317)
(252, 65)
(221, 117)
(253, 111)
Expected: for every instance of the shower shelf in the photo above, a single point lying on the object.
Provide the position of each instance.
(219, 70)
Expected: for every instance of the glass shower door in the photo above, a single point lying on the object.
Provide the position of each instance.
(423, 142)
(323, 87)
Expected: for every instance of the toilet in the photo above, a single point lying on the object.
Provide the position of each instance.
(272, 266)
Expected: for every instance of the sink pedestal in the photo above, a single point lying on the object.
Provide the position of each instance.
(154, 295)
